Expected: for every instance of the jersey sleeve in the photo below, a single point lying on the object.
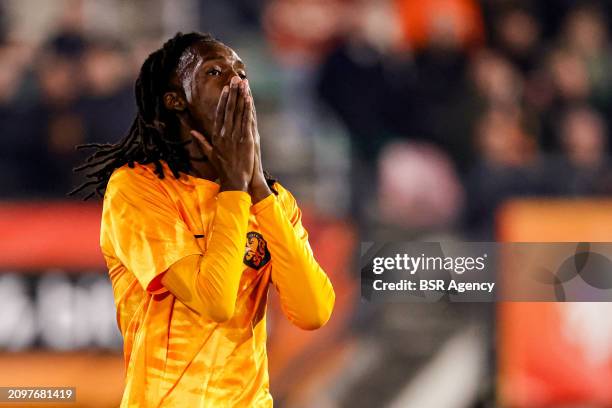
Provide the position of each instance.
(209, 284)
(306, 293)
(142, 228)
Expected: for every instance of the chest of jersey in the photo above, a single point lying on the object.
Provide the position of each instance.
(197, 208)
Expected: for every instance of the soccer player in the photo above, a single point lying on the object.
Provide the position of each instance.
(194, 231)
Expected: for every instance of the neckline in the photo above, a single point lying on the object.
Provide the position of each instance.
(199, 182)
(195, 181)
(188, 179)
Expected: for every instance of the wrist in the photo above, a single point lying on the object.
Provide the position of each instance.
(259, 192)
(227, 185)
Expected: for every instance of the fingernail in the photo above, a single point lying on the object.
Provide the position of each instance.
(234, 81)
(225, 88)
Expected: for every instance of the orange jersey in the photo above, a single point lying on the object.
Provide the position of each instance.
(177, 356)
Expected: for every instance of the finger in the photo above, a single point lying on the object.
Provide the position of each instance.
(248, 141)
(206, 147)
(253, 100)
(230, 107)
(240, 108)
(247, 119)
(253, 119)
(248, 87)
(253, 122)
(220, 113)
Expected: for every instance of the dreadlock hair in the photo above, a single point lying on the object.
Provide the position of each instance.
(154, 134)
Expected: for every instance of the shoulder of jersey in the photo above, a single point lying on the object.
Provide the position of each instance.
(126, 175)
(285, 197)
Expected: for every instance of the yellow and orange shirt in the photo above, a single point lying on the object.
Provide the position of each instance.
(176, 356)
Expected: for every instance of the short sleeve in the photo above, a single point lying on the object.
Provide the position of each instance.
(142, 228)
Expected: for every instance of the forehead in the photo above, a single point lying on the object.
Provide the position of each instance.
(194, 58)
(198, 54)
(207, 51)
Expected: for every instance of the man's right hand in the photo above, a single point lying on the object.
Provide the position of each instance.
(232, 152)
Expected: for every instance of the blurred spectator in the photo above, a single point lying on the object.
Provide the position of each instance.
(411, 90)
(509, 166)
(107, 106)
(497, 82)
(445, 105)
(570, 77)
(446, 23)
(583, 137)
(564, 82)
(502, 141)
(364, 61)
(587, 37)
(20, 148)
(586, 32)
(84, 96)
(584, 168)
(301, 31)
(516, 34)
(418, 187)
(57, 122)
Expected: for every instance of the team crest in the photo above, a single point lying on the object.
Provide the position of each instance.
(256, 253)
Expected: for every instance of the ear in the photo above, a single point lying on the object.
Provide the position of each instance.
(174, 101)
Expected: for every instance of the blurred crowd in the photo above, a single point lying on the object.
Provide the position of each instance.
(467, 104)
(410, 115)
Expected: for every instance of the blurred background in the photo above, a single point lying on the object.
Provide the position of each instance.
(389, 120)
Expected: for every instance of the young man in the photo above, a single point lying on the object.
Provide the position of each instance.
(193, 232)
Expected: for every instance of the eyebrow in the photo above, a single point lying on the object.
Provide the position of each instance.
(238, 61)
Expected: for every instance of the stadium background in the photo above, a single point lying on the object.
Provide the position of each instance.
(425, 120)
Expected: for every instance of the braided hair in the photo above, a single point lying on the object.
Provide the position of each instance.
(154, 134)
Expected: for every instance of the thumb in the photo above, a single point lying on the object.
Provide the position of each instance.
(203, 142)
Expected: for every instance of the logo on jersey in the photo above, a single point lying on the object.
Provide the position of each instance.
(256, 253)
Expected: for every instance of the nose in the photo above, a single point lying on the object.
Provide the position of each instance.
(231, 75)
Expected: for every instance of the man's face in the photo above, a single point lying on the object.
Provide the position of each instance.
(203, 70)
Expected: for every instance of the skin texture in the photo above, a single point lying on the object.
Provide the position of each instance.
(211, 97)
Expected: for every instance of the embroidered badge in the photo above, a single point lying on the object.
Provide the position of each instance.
(256, 252)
